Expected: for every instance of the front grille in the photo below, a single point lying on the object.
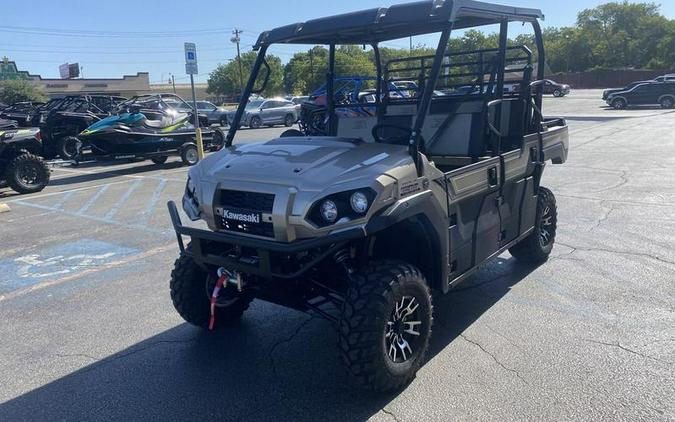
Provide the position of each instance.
(240, 202)
(252, 201)
(261, 229)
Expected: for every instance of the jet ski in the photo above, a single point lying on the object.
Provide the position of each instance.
(149, 126)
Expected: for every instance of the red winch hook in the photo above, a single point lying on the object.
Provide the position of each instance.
(223, 276)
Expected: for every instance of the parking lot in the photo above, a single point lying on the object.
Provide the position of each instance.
(89, 332)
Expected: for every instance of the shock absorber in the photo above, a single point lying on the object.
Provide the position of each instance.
(343, 257)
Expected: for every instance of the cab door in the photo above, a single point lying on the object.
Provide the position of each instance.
(473, 212)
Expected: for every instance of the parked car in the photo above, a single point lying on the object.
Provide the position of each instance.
(22, 112)
(665, 78)
(299, 100)
(606, 93)
(208, 112)
(268, 112)
(558, 90)
(648, 93)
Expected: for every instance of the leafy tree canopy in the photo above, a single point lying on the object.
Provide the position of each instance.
(13, 91)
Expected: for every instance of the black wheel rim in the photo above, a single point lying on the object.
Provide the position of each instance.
(402, 330)
(191, 156)
(71, 148)
(546, 226)
(29, 174)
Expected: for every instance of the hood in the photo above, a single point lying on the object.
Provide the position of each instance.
(303, 163)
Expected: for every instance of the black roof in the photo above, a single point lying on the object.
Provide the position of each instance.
(402, 20)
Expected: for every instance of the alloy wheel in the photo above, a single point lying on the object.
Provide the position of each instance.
(546, 226)
(402, 333)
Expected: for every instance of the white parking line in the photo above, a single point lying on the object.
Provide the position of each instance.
(122, 200)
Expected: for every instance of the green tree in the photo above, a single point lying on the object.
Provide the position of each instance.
(224, 80)
(13, 91)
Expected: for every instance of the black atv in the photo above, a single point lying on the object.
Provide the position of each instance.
(70, 116)
(22, 112)
(8, 124)
(21, 167)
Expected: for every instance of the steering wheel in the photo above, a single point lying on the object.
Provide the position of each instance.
(388, 133)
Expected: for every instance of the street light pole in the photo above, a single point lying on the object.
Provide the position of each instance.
(236, 39)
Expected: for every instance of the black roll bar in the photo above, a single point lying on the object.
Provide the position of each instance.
(234, 125)
(425, 102)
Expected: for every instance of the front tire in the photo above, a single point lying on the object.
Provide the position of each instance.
(385, 325)
(27, 173)
(537, 247)
(618, 104)
(223, 121)
(159, 160)
(255, 122)
(190, 290)
(557, 93)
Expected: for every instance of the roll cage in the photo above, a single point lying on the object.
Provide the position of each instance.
(373, 26)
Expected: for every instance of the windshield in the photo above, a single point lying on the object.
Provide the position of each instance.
(254, 104)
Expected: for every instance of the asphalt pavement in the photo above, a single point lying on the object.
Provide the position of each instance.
(88, 331)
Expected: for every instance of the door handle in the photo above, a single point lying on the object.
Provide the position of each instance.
(493, 178)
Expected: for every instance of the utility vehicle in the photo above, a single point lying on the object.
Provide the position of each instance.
(360, 225)
(21, 167)
(22, 112)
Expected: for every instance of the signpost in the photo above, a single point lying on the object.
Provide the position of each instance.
(192, 69)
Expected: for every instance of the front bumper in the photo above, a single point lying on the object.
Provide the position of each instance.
(255, 256)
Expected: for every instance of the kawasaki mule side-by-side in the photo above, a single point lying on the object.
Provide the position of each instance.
(149, 126)
(361, 224)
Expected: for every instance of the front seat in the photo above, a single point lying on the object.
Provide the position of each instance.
(166, 121)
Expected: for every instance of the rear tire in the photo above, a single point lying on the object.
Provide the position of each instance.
(289, 120)
(69, 147)
(383, 305)
(667, 102)
(27, 173)
(159, 160)
(190, 296)
(537, 247)
(218, 140)
(189, 155)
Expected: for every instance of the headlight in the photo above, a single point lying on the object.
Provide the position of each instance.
(359, 202)
(341, 207)
(329, 211)
(190, 201)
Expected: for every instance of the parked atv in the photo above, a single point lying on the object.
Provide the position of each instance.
(22, 112)
(70, 116)
(21, 167)
(361, 224)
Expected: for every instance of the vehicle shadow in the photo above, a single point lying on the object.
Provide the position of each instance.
(252, 371)
(95, 171)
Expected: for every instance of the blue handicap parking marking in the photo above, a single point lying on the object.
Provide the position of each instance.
(22, 271)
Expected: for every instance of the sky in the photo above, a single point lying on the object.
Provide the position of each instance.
(114, 38)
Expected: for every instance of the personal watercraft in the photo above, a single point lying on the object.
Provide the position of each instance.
(149, 126)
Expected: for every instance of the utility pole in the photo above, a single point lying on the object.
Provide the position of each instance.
(173, 82)
(411, 45)
(236, 39)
